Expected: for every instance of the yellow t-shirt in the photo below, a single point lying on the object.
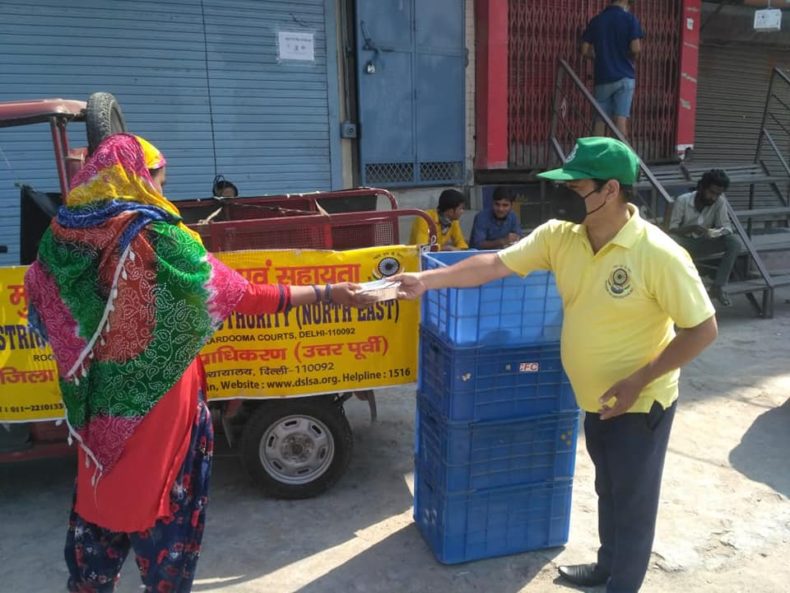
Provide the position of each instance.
(419, 232)
(620, 304)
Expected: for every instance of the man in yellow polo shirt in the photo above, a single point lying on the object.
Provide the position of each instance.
(625, 287)
(447, 216)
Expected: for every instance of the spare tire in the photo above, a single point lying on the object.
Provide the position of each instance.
(103, 117)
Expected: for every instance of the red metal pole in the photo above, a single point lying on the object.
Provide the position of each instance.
(491, 23)
(689, 69)
(58, 132)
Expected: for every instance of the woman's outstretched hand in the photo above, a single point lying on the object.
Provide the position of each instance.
(348, 294)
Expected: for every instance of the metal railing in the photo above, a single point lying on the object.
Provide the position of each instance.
(572, 117)
(779, 83)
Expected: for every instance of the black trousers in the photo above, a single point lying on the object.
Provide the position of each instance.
(628, 453)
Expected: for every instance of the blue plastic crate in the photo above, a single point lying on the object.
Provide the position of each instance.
(487, 383)
(460, 456)
(487, 523)
(512, 310)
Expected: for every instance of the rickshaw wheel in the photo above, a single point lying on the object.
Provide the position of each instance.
(297, 448)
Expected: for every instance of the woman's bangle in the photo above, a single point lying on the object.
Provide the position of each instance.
(317, 293)
(328, 293)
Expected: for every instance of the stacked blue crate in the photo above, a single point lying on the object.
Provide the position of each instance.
(496, 419)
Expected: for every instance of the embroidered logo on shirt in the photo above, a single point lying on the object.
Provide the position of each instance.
(619, 282)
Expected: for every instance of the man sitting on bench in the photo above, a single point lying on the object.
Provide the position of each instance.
(700, 224)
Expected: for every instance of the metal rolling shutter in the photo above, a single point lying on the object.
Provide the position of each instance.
(275, 123)
(163, 60)
(733, 83)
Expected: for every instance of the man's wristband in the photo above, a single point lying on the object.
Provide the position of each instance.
(317, 293)
(328, 293)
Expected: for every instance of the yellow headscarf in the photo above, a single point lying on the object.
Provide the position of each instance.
(153, 158)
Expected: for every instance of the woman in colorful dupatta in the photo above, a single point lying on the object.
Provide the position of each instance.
(127, 295)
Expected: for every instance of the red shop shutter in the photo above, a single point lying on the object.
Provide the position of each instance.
(543, 31)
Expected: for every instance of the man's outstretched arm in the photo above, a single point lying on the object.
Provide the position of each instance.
(473, 271)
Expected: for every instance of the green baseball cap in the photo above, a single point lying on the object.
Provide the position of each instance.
(598, 158)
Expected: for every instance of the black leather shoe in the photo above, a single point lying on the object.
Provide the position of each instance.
(584, 575)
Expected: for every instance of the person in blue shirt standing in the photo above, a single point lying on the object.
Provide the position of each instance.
(613, 39)
(496, 227)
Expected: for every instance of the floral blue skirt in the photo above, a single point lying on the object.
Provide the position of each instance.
(167, 553)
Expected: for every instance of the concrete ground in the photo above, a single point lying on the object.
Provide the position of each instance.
(724, 523)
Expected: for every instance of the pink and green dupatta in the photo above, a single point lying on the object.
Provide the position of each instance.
(126, 296)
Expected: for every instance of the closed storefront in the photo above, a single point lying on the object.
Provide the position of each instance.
(515, 104)
(242, 88)
(735, 66)
(734, 73)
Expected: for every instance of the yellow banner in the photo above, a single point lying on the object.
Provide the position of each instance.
(309, 350)
(28, 376)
